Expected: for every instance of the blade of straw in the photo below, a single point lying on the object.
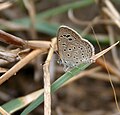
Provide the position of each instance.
(96, 56)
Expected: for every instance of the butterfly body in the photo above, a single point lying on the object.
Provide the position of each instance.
(72, 48)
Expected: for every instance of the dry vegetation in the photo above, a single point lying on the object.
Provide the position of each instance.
(28, 58)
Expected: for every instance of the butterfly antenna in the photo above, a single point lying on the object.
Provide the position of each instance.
(110, 79)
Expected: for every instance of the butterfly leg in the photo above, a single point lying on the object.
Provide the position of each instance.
(66, 68)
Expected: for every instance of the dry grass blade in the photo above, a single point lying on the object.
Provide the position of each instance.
(115, 20)
(20, 64)
(30, 97)
(3, 112)
(75, 20)
(10, 39)
(47, 89)
(2, 70)
(38, 44)
(112, 8)
(9, 56)
(5, 5)
(94, 57)
(110, 67)
(104, 77)
(110, 11)
(114, 50)
(29, 4)
(89, 24)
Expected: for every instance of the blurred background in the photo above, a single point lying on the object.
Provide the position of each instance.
(96, 20)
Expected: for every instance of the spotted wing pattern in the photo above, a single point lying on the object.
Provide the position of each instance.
(72, 48)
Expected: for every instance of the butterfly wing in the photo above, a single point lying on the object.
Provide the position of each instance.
(72, 48)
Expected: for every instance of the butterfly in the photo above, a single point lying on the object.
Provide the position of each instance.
(72, 48)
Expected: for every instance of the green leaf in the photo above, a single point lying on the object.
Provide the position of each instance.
(42, 25)
(58, 10)
(55, 86)
(18, 103)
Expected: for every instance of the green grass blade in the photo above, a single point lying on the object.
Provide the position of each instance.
(65, 8)
(44, 26)
(55, 86)
(18, 103)
(58, 10)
